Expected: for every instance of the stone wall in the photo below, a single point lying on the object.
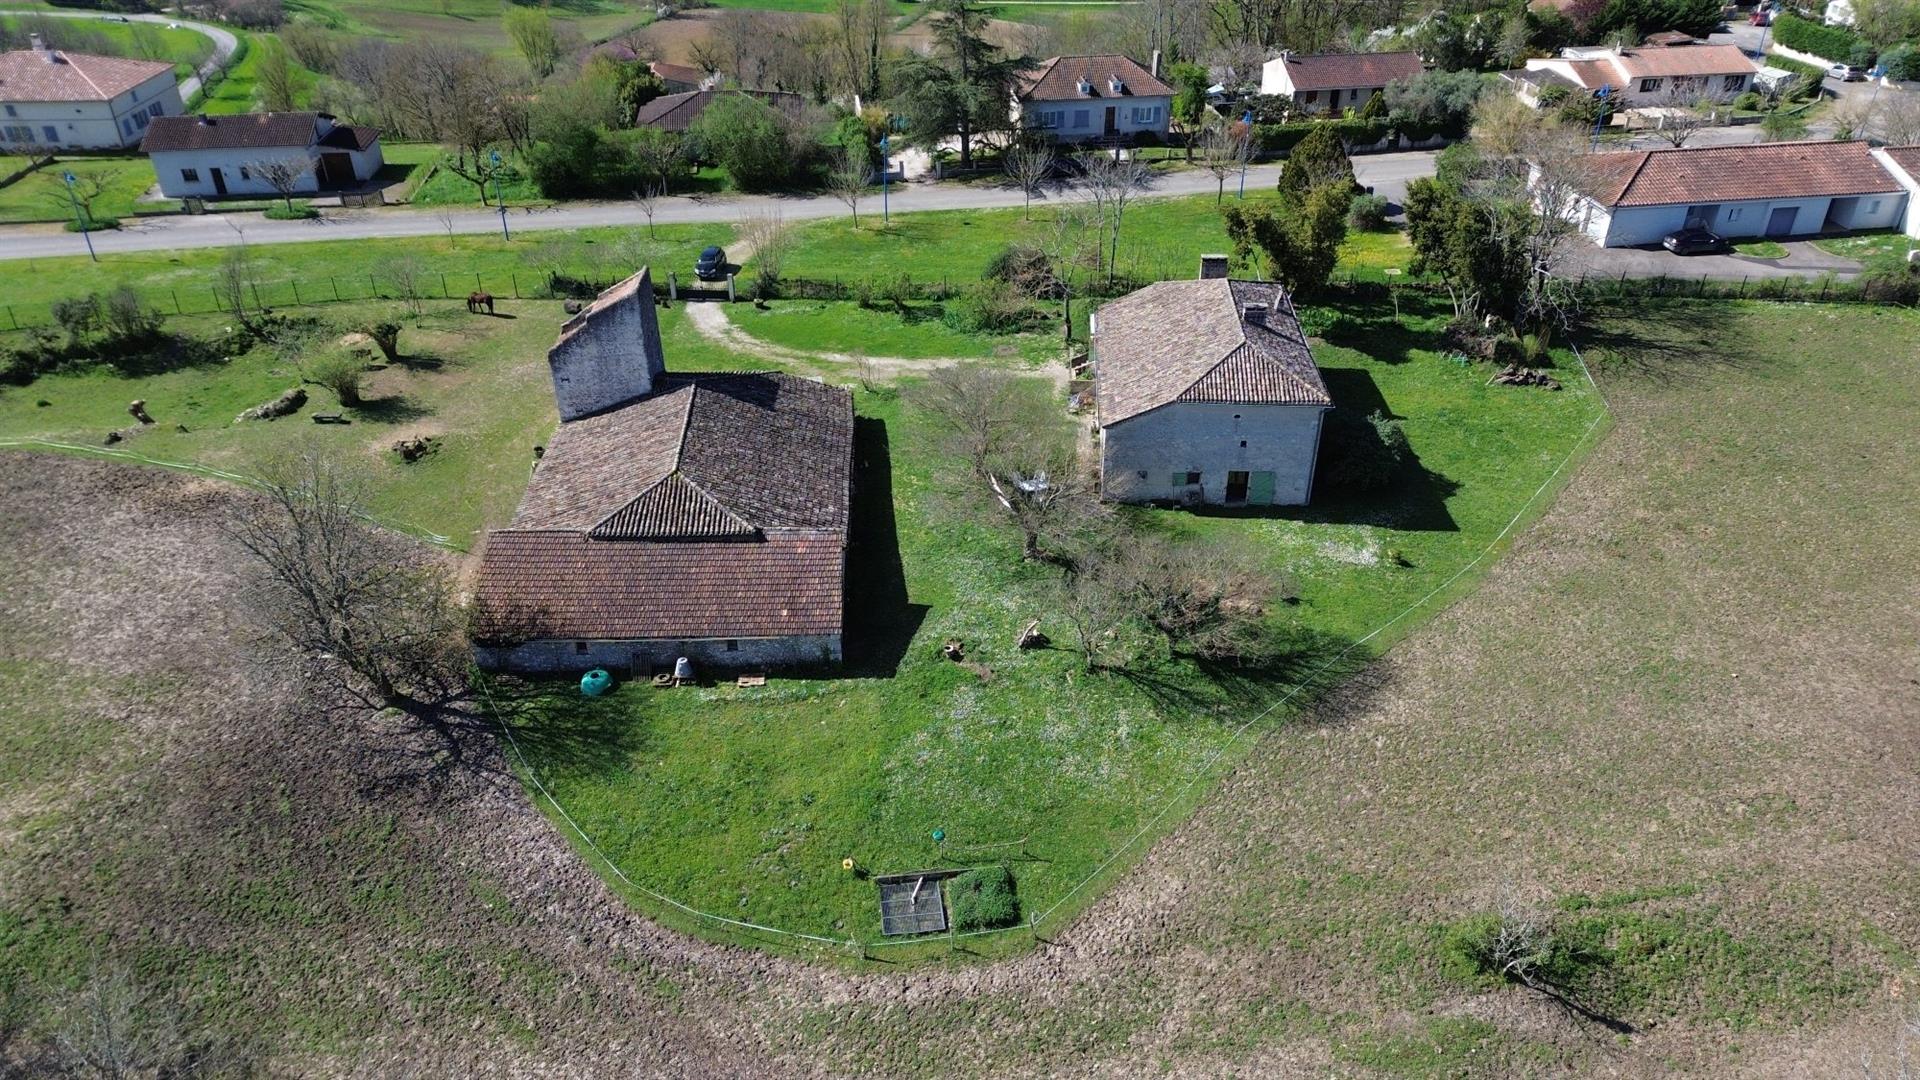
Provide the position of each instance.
(610, 353)
(1142, 456)
(640, 658)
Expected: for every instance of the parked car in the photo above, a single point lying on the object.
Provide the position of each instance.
(1760, 18)
(1847, 73)
(712, 265)
(1694, 242)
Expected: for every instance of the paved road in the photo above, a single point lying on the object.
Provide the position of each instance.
(223, 41)
(1387, 173)
(1802, 260)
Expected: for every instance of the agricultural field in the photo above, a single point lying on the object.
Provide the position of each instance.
(1674, 717)
(186, 49)
(468, 22)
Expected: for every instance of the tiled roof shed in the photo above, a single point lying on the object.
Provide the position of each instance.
(677, 112)
(1703, 174)
(1197, 341)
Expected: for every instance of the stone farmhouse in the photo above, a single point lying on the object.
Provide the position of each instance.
(1107, 98)
(1206, 391)
(695, 515)
(212, 156)
(1335, 82)
(53, 100)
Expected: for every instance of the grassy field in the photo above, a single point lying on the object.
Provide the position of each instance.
(1676, 719)
(847, 329)
(42, 195)
(186, 49)
(468, 22)
(1871, 250)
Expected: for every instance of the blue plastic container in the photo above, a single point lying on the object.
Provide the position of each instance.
(596, 682)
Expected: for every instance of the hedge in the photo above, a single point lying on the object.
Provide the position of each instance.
(1834, 43)
(1277, 138)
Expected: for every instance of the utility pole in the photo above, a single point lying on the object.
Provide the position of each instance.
(499, 198)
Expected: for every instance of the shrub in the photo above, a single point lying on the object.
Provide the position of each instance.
(991, 307)
(95, 223)
(1554, 95)
(1898, 284)
(748, 138)
(1832, 43)
(1027, 269)
(340, 372)
(77, 315)
(127, 320)
(983, 899)
(1902, 62)
(280, 212)
(386, 335)
(1367, 213)
(1365, 453)
(1751, 101)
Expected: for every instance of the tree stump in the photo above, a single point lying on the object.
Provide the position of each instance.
(138, 410)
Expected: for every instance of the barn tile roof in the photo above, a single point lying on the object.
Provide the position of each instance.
(1907, 157)
(253, 131)
(1057, 78)
(25, 75)
(682, 73)
(1698, 174)
(677, 112)
(1340, 71)
(715, 507)
(1192, 341)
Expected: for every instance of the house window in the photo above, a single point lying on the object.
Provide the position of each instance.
(1046, 119)
(1734, 82)
(140, 120)
(1308, 97)
(191, 176)
(1733, 213)
(1648, 86)
(732, 645)
(1243, 444)
(19, 134)
(155, 109)
(1187, 478)
(580, 647)
(11, 111)
(53, 133)
(1081, 117)
(1873, 206)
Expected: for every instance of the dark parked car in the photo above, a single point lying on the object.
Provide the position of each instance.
(712, 265)
(1694, 242)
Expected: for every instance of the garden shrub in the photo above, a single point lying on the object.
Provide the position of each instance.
(1364, 453)
(339, 371)
(1367, 213)
(1833, 43)
(983, 899)
(991, 307)
(1027, 269)
(1751, 101)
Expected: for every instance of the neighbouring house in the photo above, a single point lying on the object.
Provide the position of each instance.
(53, 100)
(671, 515)
(1108, 98)
(682, 78)
(1335, 82)
(677, 112)
(1762, 189)
(211, 156)
(1903, 164)
(1205, 391)
(1649, 76)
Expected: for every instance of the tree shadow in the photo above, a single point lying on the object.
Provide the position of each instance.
(162, 354)
(881, 619)
(1303, 664)
(1660, 342)
(392, 409)
(562, 729)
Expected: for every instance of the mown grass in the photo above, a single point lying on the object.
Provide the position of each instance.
(845, 328)
(1874, 250)
(183, 48)
(41, 195)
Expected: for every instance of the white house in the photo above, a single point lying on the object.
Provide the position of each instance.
(211, 156)
(1903, 164)
(1335, 82)
(1206, 391)
(1637, 78)
(1086, 98)
(1763, 189)
(53, 100)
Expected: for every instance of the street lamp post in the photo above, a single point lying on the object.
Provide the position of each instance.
(79, 218)
(500, 199)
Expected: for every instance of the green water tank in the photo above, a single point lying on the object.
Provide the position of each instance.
(596, 682)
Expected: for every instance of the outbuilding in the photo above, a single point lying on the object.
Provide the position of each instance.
(214, 156)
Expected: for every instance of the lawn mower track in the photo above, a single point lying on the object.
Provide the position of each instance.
(1481, 718)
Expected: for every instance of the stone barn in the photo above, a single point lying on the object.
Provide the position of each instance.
(696, 515)
(1205, 391)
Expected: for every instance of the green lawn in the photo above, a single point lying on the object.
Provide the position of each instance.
(467, 22)
(1871, 250)
(42, 195)
(744, 802)
(846, 328)
(1760, 249)
(142, 41)
(237, 90)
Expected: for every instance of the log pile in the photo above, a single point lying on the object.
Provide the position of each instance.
(1515, 375)
(289, 402)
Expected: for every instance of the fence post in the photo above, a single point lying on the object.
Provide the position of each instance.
(1743, 287)
(296, 292)
(176, 301)
(11, 320)
(256, 295)
(477, 287)
(1703, 286)
(515, 274)
(335, 282)
(730, 296)
(1824, 283)
(445, 293)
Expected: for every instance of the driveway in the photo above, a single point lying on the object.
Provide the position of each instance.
(1802, 260)
(224, 43)
(1387, 173)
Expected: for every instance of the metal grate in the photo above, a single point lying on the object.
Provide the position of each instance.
(912, 904)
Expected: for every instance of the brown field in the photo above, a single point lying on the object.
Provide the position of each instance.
(1685, 708)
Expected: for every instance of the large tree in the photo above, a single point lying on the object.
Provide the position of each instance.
(962, 88)
(1298, 235)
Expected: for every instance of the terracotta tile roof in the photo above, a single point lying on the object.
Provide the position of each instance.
(564, 585)
(252, 131)
(684, 73)
(1341, 71)
(25, 75)
(677, 112)
(1057, 78)
(1594, 74)
(1192, 341)
(1697, 174)
(716, 507)
(1685, 60)
(1907, 157)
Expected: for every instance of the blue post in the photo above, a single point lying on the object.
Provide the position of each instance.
(1247, 119)
(78, 217)
(1605, 90)
(884, 170)
(499, 199)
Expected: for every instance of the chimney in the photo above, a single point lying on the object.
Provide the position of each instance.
(39, 44)
(1153, 66)
(1256, 314)
(1213, 267)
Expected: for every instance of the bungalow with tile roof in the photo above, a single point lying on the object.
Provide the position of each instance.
(214, 156)
(1335, 82)
(1106, 98)
(1636, 197)
(1206, 391)
(1640, 78)
(1903, 163)
(672, 515)
(54, 100)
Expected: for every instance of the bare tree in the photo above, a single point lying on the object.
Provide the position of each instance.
(1208, 601)
(647, 198)
(238, 282)
(273, 74)
(1110, 182)
(849, 173)
(1029, 162)
(1898, 120)
(87, 188)
(1225, 150)
(1685, 110)
(283, 174)
(1903, 1067)
(765, 236)
(1560, 176)
(342, 600)
(113, 1028)
(406, 276)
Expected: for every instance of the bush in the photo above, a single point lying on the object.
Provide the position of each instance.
(1832, 43)
(128, 321)
(983, 899)
(95, 223)
(1902, 62)
(1367, 213)
(1751, 101)
(1027, 269)
(1899, 284)
(1364, 453)
(340, 372)
(299, 212)
(748, 138)
(991, 307)
(1280, 138)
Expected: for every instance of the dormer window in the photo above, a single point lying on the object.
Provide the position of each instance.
(1115, 85)
(1086, 88)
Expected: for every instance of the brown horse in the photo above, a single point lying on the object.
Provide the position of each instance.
(478, 300)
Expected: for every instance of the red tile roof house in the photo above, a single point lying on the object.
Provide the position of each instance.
(1206, 391)
(672, 515)
(53, 100)
(1638, 78)
(682, 78)
(212, 156)
(1335, 82)
(1764, 189)
(1903, 162)
(1106, 98)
